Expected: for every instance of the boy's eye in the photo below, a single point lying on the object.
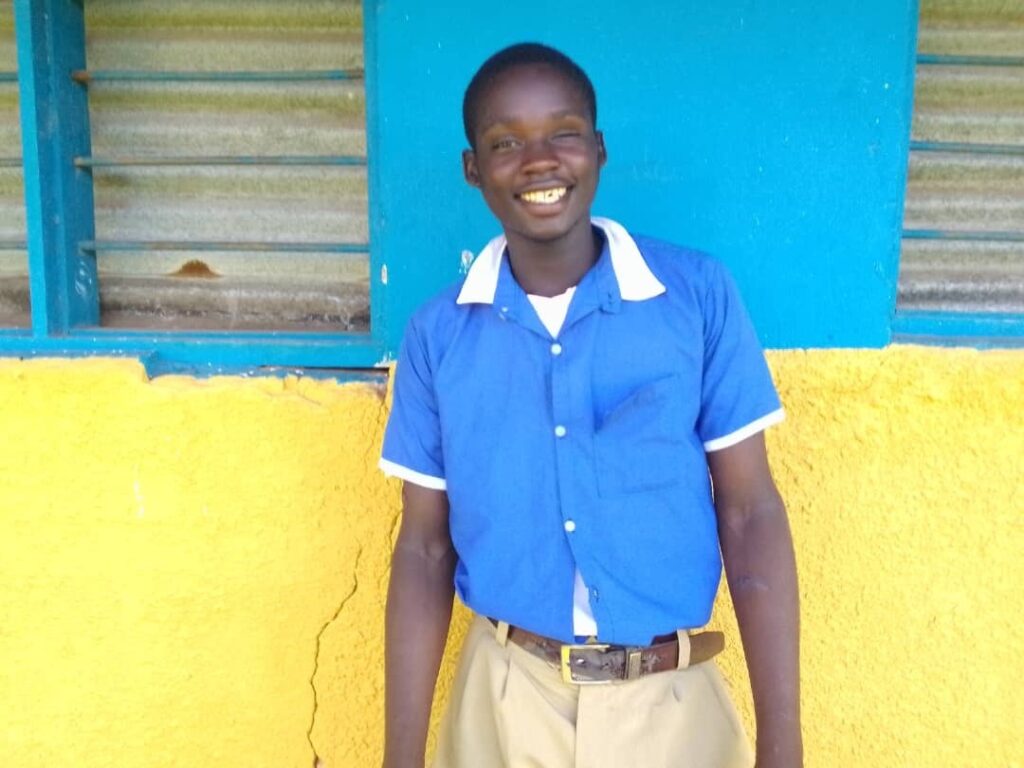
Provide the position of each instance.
(567, 135)
(506, 143)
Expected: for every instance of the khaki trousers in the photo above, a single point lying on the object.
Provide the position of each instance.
(510, 709)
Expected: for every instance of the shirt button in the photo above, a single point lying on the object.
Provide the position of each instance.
(556, 349)
(570, 526)
(559, 431)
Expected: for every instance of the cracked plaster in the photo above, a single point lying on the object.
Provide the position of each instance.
(239, 620)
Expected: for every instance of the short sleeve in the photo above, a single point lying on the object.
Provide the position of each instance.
(412, 439)
(738, 398)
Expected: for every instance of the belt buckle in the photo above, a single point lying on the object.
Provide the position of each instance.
(566, 665)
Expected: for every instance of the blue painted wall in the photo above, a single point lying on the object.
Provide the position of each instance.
(772, 134)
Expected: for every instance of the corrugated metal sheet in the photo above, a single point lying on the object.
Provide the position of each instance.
(14, 309)
(965, 208)
(312, 203)
(241, 289)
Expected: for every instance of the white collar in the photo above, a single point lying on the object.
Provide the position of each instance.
(636, 281)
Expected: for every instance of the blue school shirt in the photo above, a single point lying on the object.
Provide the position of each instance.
(586, 450)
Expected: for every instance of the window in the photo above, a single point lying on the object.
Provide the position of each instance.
(962, 256)
(204, 196)
(14, 309)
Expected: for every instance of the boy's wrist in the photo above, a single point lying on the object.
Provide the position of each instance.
(779, 746)
(410, 761)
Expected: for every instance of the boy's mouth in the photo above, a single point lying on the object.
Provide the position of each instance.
(544, 196)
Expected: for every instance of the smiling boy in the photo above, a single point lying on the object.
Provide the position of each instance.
(559, 420)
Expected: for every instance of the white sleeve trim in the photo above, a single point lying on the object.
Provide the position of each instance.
(418, 478)
(741, 434)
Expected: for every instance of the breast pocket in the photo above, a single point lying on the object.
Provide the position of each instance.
(641, 444)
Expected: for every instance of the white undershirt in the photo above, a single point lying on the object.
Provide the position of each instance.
(552, 311)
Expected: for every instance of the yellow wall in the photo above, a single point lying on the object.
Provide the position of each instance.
(192, 572)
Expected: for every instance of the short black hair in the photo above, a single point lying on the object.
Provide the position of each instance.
(517, 55)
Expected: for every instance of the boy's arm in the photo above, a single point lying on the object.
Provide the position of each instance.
(758, 554)
(418, 613)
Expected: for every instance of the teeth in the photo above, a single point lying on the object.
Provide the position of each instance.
(544, 196)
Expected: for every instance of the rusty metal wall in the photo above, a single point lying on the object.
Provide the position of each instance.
(965, 207)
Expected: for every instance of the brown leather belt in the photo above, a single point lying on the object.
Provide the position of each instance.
(590, 663)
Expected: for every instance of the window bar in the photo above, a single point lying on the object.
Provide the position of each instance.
(95, 246)
(153, 160)
(967, 147)
(8, 77)
(1010, 236)
(10, 162)
(85, 76)
(58, 197)
(959, 60)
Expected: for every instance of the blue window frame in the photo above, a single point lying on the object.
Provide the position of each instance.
(61, 243)
(962, 262)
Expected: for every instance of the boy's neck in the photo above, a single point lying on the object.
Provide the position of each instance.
(552, 267)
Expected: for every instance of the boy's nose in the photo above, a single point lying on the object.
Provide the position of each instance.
(539, 155)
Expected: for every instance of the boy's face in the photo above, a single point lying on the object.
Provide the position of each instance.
(537, 157)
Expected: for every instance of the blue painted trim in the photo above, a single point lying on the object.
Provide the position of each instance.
(156, 366)
(906, 111)
(380, 309)
(955, 234)
(58, 198)
(230, 337)
(967, 148)
(212, 351)
(108, 75)
(93, 246)
(945, 59)
(155, 160)
(977, 329)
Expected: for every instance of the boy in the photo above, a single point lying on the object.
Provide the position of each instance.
(555, 420)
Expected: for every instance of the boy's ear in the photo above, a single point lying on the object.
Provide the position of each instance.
(469, 169)
(602, 153)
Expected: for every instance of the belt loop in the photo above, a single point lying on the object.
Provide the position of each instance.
(684, 648)
(501, 633)
(634, 662)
